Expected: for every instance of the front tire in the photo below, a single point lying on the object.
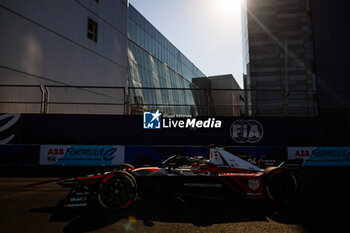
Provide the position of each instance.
(117, 190)
(124, 167)
(280, 185)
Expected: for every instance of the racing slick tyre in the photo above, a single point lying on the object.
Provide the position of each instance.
(117, 190)
(280, 185)
(123, 167)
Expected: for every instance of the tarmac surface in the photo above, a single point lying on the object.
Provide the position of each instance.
(28, 204)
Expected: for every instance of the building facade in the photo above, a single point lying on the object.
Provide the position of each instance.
(278, 57)
(330, 24)
(55, 42)
(156, 67)
(224, 97)
(88, 56)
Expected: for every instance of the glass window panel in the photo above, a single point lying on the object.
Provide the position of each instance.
(157, 49)
(129, 29)
(141, 76)
(148, 30)
(144, 79)
(138, 18)
(153, 46)
(149, 80)
(131, 15)
(153, 33)
(134, 32)
(138, 38)
(160, 52)
(146, 41)
(139, 57)
(142, 22)
(146, 61)
(143, 38)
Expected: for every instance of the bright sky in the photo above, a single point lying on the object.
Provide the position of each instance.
(208, 32)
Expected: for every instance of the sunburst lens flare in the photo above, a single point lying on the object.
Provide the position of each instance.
(128, 226)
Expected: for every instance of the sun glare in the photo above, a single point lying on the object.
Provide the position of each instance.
(229, 7)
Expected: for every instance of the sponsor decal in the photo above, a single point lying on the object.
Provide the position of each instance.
(81, 155)
(13, 120)
(78, 199)
(155, 120)
(246, 131)
(202, 185)
(253, 184)
(300, 152)
(76, 205)
(321, 156)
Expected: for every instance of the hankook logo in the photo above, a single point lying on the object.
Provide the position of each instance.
(246, 131)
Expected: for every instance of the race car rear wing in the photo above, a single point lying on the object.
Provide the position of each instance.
(220, 157)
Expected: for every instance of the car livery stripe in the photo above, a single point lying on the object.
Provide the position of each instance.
(229, 184)
(243, 174)
(126, 204)
(153, 169)
(277, 171)
(107, 178)
(91, 177)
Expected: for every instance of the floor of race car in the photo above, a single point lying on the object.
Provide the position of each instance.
(28, 205)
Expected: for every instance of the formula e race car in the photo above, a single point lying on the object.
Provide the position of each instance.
(223, 176)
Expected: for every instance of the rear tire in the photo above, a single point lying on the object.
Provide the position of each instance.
(117, 190)
(280, 185)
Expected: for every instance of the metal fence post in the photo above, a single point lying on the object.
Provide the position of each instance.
(43, 98)
(47, 99)
(127, 101)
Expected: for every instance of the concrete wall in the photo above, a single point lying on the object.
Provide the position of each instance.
(225, 96)
(226, 102)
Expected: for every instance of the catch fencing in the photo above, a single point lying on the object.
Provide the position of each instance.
(190, 101)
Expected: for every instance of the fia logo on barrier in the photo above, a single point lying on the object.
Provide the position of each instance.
(151, 120)
(246, 131)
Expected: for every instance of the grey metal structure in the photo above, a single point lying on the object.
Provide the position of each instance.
(278, 55)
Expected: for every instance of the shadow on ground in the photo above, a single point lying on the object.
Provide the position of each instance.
(198, 212)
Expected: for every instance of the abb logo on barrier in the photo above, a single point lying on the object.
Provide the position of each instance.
(56, 151)
(302, 153)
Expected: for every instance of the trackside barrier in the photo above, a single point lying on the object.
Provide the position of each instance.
(110, 155)
(11, 155)
(321, 156)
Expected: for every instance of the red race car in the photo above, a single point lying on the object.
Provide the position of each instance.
(223, 176)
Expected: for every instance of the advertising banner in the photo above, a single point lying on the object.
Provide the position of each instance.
(321, 156)
(81, 155)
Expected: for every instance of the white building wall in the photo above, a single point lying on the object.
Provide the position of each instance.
(45, 42)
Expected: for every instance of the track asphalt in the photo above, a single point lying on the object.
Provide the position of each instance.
(28, 204)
